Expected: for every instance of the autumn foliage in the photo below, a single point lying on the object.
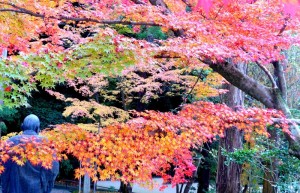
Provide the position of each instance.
(68, 39)
(239, 35)
(151, 143)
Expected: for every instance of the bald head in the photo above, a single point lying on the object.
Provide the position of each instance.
(31, 122)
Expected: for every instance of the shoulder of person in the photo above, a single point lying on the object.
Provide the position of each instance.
(15, 139)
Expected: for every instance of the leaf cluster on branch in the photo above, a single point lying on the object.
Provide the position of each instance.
(150, 144)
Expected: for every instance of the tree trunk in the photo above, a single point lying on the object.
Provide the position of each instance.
(4, 56)
(269, 97)
(228, 176)
(271, 171)
(280, 93)
(203, 171)
(269, 179)
(86, 184)
(125, 188)
(191, 180)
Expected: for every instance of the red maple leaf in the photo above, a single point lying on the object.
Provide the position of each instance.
(7, 89)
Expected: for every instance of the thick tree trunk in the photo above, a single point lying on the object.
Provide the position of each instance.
(228, 176)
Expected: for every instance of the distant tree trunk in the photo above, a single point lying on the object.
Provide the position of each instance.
(86, 184)
(191, 180)
(280, 96)
(188, 187)
(204, 170)
(3, 56)
(228, 176)
(125, 188)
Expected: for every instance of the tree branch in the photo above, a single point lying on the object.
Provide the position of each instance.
(250, 86)
(274, 85)
(290, 121)
(284, 26)
(138, 2)
(61, 17)
(279, 74)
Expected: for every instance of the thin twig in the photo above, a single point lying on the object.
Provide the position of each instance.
(189, 93)
(198, 78)
(284, 26)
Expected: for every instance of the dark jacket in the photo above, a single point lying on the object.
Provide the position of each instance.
(27, 178)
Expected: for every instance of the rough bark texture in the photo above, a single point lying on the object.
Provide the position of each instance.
(245, 83)
(228, 176)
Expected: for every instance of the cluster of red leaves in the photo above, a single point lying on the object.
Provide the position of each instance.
(150, 144)
(217, 29)
(215, 118)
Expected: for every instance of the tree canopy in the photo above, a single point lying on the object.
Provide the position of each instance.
(78, 42)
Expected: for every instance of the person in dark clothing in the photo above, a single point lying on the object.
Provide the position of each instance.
(28, 178)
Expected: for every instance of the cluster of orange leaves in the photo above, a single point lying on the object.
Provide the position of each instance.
(150, 144)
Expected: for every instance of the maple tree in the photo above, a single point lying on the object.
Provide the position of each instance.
(216, 33)
(172, 135)
(225, 38)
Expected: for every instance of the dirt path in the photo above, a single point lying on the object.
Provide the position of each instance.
(59, 191)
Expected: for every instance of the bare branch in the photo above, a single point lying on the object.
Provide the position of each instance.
(280, 78)
(290, 121)
(284, 26)
(274, 85)
(138, 2)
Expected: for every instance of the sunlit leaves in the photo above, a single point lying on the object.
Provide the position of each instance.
(22, 74)
(146, 145)
(214, 29)
(211, 23)
(16, 84)
(95, 113)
